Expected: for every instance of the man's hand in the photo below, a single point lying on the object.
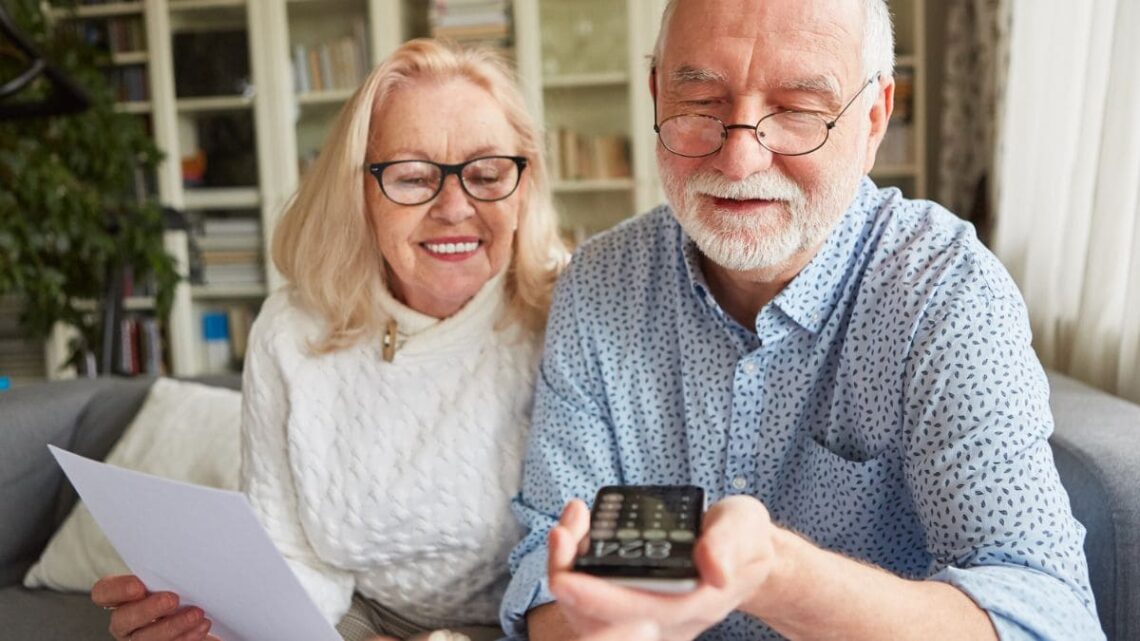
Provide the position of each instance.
(735, 554)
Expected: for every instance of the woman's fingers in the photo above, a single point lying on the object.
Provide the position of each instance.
(113, 591)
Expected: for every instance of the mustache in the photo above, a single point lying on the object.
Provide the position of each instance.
(765, 186)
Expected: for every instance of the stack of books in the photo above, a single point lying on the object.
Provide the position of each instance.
(229, 252)
(578, 156)
(335, 64)
(473, 22)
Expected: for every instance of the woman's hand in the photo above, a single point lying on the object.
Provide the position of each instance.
(137, 615)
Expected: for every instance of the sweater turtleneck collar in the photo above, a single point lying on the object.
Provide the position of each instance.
(418, 333)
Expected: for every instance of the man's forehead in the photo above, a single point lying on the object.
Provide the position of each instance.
(729, 37)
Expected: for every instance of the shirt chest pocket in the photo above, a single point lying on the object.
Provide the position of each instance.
(841, 504)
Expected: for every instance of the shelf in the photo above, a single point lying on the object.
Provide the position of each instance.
(198, 5)
(593, 185)
(599, 79)
(222, 198)
(130, 58)
(329, 97)
(895, 171)
(213, 103)
(134, 107)
(228, 292)
(109, 10)
(130, 304)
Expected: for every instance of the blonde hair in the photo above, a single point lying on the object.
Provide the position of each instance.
(325, 245)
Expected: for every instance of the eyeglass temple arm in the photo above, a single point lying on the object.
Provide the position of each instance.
(870, 81)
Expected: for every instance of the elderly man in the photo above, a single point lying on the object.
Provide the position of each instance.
(847, 373)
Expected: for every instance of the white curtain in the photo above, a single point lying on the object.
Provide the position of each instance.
(1068, 188)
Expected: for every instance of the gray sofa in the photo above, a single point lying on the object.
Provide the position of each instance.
(1096, 445)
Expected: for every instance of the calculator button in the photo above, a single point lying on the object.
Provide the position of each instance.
(627, 534)
(601, 533)
(653, 535)
(608, 524)
(612, 497)
(680, 536)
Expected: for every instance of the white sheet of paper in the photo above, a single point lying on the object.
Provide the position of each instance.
(204, 544)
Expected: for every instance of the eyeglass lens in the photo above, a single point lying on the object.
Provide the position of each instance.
(413, 182)
(789, 132)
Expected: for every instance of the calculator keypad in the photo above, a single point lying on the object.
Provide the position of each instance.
(644, 526)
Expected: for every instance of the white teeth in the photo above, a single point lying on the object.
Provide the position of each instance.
(451, 248)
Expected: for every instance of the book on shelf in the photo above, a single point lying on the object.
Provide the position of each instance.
(904, 95)
(232, 274)
(140, 347)
(126, 35)
(486, 22)
(231, 226)
(340, 63)
(240, 319)
(130, 83)
(228, 242)
(211, 63)
(577, 156)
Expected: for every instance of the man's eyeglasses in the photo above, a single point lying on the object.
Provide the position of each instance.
(787, 133)
(415, 182)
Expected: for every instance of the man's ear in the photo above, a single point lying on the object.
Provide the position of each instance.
(880, 116)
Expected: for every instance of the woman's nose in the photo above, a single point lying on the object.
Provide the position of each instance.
(452, 204)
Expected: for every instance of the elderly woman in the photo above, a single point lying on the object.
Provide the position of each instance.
(387, 389)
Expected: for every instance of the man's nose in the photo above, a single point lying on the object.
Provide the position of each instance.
(742, 154)
(452, 205)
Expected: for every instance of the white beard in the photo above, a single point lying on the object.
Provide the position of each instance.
(745, 243)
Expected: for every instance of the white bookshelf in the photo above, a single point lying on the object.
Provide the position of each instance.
(598, 89)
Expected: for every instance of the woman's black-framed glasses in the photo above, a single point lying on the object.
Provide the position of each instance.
(787, 133)
(415, 182)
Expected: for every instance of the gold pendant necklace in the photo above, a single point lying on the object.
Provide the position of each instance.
(389, 343)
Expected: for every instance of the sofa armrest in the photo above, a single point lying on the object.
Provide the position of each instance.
(1096, 445)
(85, 416)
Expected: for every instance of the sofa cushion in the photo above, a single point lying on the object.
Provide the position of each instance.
(184, 431)
(85, 416)
(43, 614)
(1096, 445)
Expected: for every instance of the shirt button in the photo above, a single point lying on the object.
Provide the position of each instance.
(750, 368)
(739, 482)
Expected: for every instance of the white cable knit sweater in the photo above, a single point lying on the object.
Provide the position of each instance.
(391, 479)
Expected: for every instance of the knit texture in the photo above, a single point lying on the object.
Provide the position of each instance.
(395, 479)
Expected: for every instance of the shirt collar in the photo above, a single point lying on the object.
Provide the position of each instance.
(812, 295)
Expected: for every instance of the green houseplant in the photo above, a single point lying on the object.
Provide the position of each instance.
(70, 216)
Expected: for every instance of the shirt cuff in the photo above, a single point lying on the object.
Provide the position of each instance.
(528, 590)
(1024, 603)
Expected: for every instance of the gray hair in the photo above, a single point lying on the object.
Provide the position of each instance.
(878, 38)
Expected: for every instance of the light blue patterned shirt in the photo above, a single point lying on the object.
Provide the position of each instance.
(886, 405)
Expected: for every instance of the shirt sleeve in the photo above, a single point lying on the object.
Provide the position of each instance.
(267, 479)
(997, 519)
(571, 451)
